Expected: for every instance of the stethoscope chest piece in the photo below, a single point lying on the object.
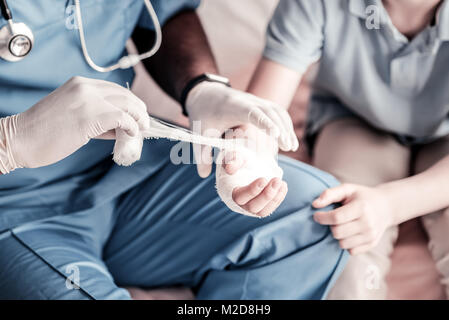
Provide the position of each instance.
(16, 41)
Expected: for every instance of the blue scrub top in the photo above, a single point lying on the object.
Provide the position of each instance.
(55, 58)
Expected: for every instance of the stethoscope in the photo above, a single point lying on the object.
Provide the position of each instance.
(16, 40)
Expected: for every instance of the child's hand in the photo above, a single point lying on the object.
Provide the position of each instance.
(362, 219)
(259, 196)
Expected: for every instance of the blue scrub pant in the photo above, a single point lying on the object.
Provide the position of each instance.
(172, 229)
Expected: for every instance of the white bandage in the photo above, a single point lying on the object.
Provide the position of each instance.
(256, 167)
(128, 149)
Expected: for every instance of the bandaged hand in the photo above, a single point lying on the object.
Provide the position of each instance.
(361, 221)
(214, 108)
(67, 119)
(249, 181)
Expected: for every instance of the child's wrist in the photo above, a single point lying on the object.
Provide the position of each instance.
(395, 205)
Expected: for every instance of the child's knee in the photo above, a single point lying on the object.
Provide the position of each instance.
(305, 183)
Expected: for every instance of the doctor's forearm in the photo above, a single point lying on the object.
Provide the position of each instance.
(420, 194)
(185, 53)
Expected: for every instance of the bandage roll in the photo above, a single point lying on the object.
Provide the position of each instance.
(127, 149)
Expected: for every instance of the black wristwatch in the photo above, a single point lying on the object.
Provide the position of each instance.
(209, 77)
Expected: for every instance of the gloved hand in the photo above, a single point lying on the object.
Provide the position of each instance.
(67, 119)
(214, 108)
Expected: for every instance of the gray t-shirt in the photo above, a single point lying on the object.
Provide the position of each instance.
(367, 67)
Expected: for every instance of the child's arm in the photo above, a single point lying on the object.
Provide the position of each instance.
(421, 194)
(367, 212)
(275, 82)
(294, 41)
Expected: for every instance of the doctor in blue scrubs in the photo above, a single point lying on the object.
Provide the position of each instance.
(74, 225)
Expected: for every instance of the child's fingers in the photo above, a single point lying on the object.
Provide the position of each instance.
(347, 230)
(333, 195)
(353, 242)
(243, 195)
(274, 204)
(338, 216)
(360, 249)
(257, 204)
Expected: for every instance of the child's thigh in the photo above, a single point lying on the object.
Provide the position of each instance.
(354, 152)
(436, 224)
(430, 154)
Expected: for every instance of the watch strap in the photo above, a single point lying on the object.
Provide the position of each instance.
(197, 80)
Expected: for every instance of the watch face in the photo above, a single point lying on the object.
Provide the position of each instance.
(20, 45)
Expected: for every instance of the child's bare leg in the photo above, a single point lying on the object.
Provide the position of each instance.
(355, 153)
(436, 224)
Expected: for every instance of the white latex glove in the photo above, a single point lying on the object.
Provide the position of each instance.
(66, 120)
(218, 108)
